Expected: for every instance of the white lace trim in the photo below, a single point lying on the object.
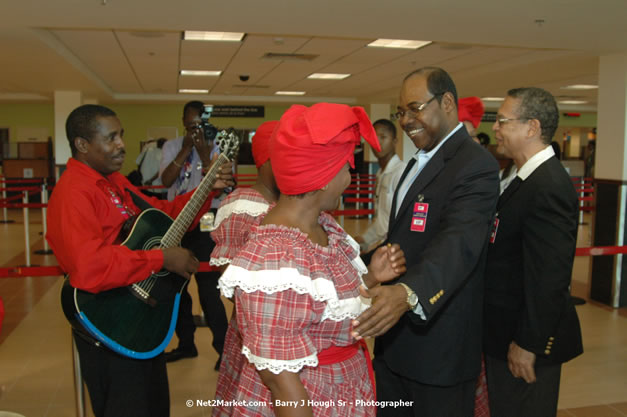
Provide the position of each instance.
(277, 366)
(357, 262)
(240, 206)
(269, 282)
(219, 261)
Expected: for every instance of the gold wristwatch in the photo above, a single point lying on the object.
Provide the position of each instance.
(412, 298)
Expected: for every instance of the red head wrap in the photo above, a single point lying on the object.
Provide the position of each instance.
(312, 144)
(261, 142)
(471, 110)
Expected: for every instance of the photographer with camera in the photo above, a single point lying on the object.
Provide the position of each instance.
(183, 165)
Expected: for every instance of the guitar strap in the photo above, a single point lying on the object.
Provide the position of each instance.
(138, 201)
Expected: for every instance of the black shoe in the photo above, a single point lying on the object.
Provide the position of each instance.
(218, 362)
(179, 353)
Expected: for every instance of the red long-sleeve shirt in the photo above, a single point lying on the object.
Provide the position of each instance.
(84, 223)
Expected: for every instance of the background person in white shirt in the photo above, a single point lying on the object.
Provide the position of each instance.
(390, 169)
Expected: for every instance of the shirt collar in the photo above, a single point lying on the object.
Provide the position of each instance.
(395, 160)
(428, 155)
(534, 162)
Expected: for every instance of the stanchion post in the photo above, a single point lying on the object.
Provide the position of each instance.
(581, 202)
(4, 198)
(44, 210)
(26, 228)
(79, 392)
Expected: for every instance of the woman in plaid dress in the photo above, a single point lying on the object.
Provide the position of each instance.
(296, 282)
(240, 211)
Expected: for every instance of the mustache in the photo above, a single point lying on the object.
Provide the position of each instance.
(121, 153)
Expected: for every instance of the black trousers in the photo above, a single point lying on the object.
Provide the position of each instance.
(123, 387)
(201, 245)
(426, 400)
(513, 397)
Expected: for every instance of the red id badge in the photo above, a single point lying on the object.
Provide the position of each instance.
(419, 218)
(495, 228)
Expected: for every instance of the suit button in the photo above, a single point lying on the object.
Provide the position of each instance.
(547, 352)
(551, 338)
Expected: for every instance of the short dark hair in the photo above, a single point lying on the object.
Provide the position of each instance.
(484, 138)
(438, 81)
(537, 103)
(388, 124)
(83, 122)
(199, 106)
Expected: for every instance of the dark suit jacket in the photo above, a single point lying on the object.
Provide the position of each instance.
(445, 265)
(529, 268)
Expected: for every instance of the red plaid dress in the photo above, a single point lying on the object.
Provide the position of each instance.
(295, 298)
(240, 211)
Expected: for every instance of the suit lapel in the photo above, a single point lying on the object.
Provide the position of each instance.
(428, 173)
(509, 192)
(408, 168)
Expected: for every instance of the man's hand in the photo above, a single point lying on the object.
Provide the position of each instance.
(387, 263)
(180, 261)
(224, 177)
(389, 303)
(521, 363)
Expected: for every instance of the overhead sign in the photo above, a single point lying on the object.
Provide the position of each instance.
(489, 116)
(238, 111)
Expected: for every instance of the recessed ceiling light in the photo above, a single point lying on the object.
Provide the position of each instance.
(290, 93)
(201, 73)
(327, 76)
(492, 98)
(398, 43)
(573, 102)
(196, 35)
(580, 87)
(192, 91)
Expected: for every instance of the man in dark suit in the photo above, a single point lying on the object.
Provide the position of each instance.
(428, 352)
(530, 323)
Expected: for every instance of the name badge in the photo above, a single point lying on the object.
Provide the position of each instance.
(206, 222)
(495, 228)
(419, 218)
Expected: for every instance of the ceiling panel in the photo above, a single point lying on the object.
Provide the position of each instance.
(107, 60)
(153, 59)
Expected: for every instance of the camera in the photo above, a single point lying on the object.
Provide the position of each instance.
(210, 131)
(244, 77)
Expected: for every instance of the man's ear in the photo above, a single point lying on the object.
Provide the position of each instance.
(448, 102)
(534, 128)
(81, 144)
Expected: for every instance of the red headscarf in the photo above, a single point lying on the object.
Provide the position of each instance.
(261, 142)
(470, 109)
(312, 144)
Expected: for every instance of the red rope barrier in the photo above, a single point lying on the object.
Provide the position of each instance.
(23, 180)
(6, 200)
(358, 200)
(21, 205)
(18, 189)
(362, 212)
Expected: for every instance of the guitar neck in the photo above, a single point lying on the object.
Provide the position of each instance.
(185, 218)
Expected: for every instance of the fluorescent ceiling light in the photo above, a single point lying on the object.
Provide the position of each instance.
(492, 98)
(327, 76)
(201, 73)
(573, 102)
(195, 35)
(193, 91)
(290, 93)
(580, 87)
(398, 43)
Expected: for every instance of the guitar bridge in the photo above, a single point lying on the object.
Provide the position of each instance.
(143, 295)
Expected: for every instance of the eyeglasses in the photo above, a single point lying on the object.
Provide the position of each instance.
(413, 112)
(504, 120)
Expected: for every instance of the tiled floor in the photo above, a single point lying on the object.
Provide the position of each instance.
(36, 378)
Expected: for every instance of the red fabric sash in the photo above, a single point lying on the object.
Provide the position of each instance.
(337, 354)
